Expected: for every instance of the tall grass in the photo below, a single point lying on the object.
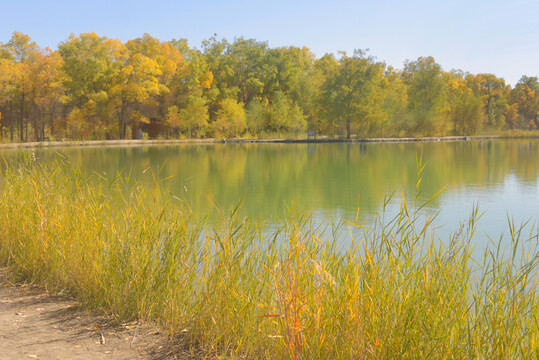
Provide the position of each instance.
(232, 290)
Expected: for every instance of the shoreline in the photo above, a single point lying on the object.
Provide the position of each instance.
(75, 143)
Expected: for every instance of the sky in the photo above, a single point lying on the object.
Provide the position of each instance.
(476, 36)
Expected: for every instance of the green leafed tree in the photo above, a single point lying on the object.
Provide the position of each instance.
(89, 65)
(353, 93)
(285, 115)
(394, 104)
(426, 95)
(194, 117)
(256, 114)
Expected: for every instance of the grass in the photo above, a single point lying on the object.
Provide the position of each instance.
(231, 290)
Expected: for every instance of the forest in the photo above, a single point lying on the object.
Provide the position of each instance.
(94, 87)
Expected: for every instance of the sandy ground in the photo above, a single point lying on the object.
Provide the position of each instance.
(37, 325)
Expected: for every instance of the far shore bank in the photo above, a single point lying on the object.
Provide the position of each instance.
(74, 143)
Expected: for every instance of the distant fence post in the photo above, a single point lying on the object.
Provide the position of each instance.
(311, 133)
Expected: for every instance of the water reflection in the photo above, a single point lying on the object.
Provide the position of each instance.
(335, 179)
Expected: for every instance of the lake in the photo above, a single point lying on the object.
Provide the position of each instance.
(335, 179)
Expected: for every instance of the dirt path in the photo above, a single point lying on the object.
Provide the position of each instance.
(36, 325)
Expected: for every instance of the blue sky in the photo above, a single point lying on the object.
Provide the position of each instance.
(500, 37)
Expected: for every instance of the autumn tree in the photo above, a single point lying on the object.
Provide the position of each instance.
(169, 68)
(198, 74)
(494, 92)
(511, 116)
(173, 119)
(90, 65)
(8, 87)
(230, 120)
(19, 49)
(134, 83)
(45, 89)
(526, 95)
(198, 80)
(464, 110)
(242, 87)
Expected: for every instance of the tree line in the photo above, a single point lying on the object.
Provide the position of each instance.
(99, 88)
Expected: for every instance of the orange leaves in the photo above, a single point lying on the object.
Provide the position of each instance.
(207, 80)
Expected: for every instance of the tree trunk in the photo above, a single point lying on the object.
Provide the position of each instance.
(348, 126)
(51, 121)
(121, 120)
(21, 118)
(36, 128)
(64, 116)
(11, 121)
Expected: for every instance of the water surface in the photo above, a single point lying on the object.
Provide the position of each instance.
(334, 180)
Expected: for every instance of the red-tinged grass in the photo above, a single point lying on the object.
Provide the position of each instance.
(232, 290)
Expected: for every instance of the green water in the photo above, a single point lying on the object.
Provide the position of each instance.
(333, 180)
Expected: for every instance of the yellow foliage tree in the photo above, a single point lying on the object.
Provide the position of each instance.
(230, 119)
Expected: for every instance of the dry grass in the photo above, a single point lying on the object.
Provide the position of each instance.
(229, 289)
